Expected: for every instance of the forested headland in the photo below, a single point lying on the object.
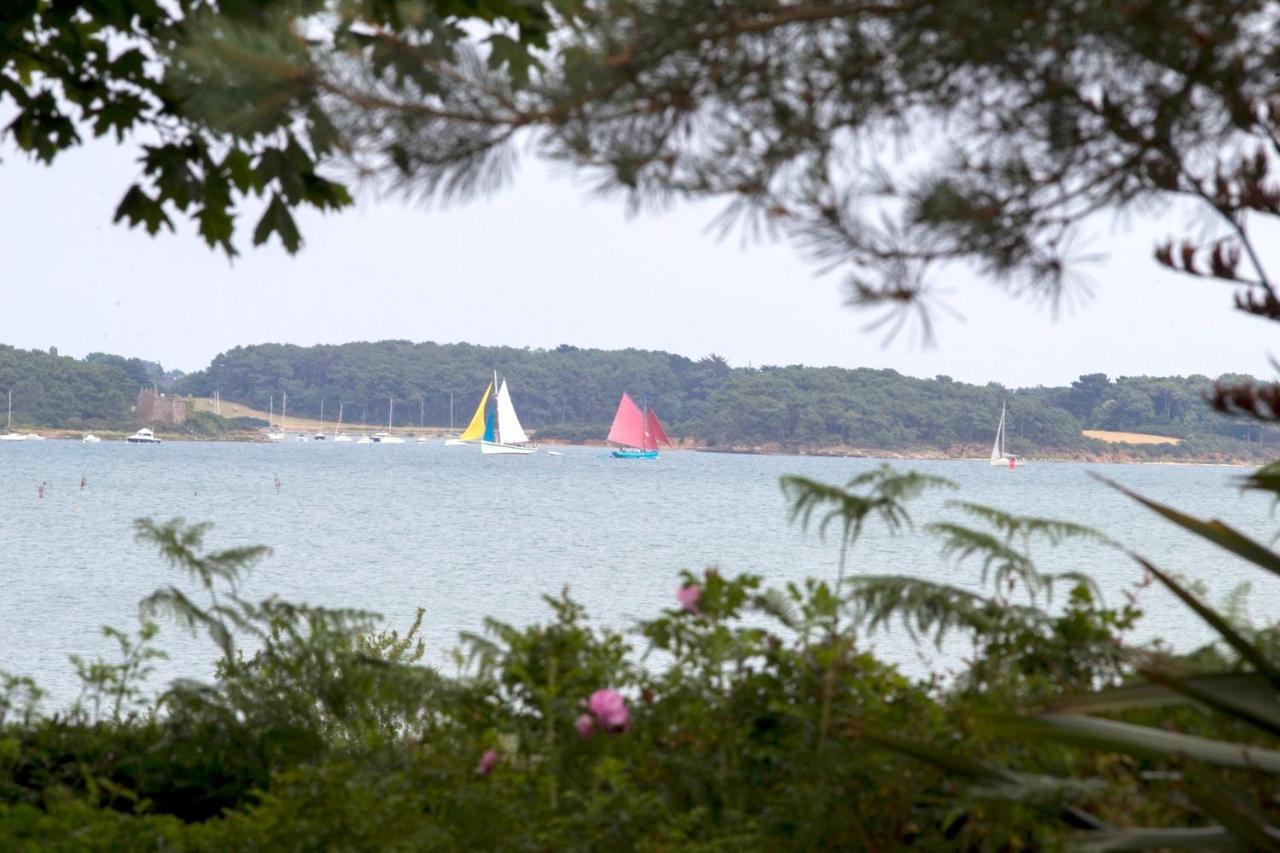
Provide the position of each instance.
(570, 393)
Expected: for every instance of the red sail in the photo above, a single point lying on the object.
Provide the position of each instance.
(656, 433)
(628, 424)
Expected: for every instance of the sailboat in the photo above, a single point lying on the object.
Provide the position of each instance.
(320, 436)
(276, 433)
(998, 455)
(387, 437)
(498, 429)
(454, 440)
(9, 434)
(636, 431)
(422, 421)
(340, 437)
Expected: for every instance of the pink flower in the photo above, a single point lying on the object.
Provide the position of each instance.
(585, 726)
(610, 710)
(487, 762)
(690, 597)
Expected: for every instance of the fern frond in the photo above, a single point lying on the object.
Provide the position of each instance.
(885, 493)
(928, 608)
(1051, 530)
(776, 603)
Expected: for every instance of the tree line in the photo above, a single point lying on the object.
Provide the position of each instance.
(570, 392)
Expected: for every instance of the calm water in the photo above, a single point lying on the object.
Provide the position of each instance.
(391, 528)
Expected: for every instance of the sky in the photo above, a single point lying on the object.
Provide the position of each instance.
(543, 263)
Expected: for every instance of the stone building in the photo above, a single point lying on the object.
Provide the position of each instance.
(153, 407)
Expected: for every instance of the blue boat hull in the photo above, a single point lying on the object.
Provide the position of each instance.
(635, 454)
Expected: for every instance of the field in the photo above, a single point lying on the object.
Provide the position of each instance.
(1129, 437)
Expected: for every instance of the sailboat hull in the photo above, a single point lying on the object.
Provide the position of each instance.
(494, 447)
(635, 454)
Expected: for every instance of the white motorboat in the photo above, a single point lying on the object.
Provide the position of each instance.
(90, 439)
(143, 436)
(364, 439)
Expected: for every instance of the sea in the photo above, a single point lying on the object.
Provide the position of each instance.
(391, 528)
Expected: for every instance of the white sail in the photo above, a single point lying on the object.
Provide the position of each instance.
(997, 450)
(509, 429)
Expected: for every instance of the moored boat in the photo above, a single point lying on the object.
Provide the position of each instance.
(9, 434)
(387, 437)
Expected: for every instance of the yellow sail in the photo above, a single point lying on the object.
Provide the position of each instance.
(475, 429)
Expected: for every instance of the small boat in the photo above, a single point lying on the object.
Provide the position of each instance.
(364, 439)
(90, 439)
(340, 437)
(422, 438)
(387, 437)
(31, 436)
(636, 431)
(554, 453)
(9, 434)
(998, 454)
(143, 436)
(498, 429)
(320, 436)
(454, 440)
(276, 433)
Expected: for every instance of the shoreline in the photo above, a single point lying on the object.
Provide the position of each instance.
(1116, 456)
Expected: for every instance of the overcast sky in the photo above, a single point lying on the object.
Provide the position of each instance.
(542, 264)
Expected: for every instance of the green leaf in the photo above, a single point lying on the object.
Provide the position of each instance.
(1243, 647)
(1246, 694)
(1215, 531)
(1145, 741)
(1233, 811)
(276, 218)
(1180, 838)
(138, 207)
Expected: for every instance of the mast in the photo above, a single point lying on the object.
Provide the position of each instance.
(644, 442)
(9, 416)
(391, 407)
(422, 413)
(498, 434)
(337, 428)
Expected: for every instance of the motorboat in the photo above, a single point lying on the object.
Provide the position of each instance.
(143, 436)
(386, 438)
(90, 438)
